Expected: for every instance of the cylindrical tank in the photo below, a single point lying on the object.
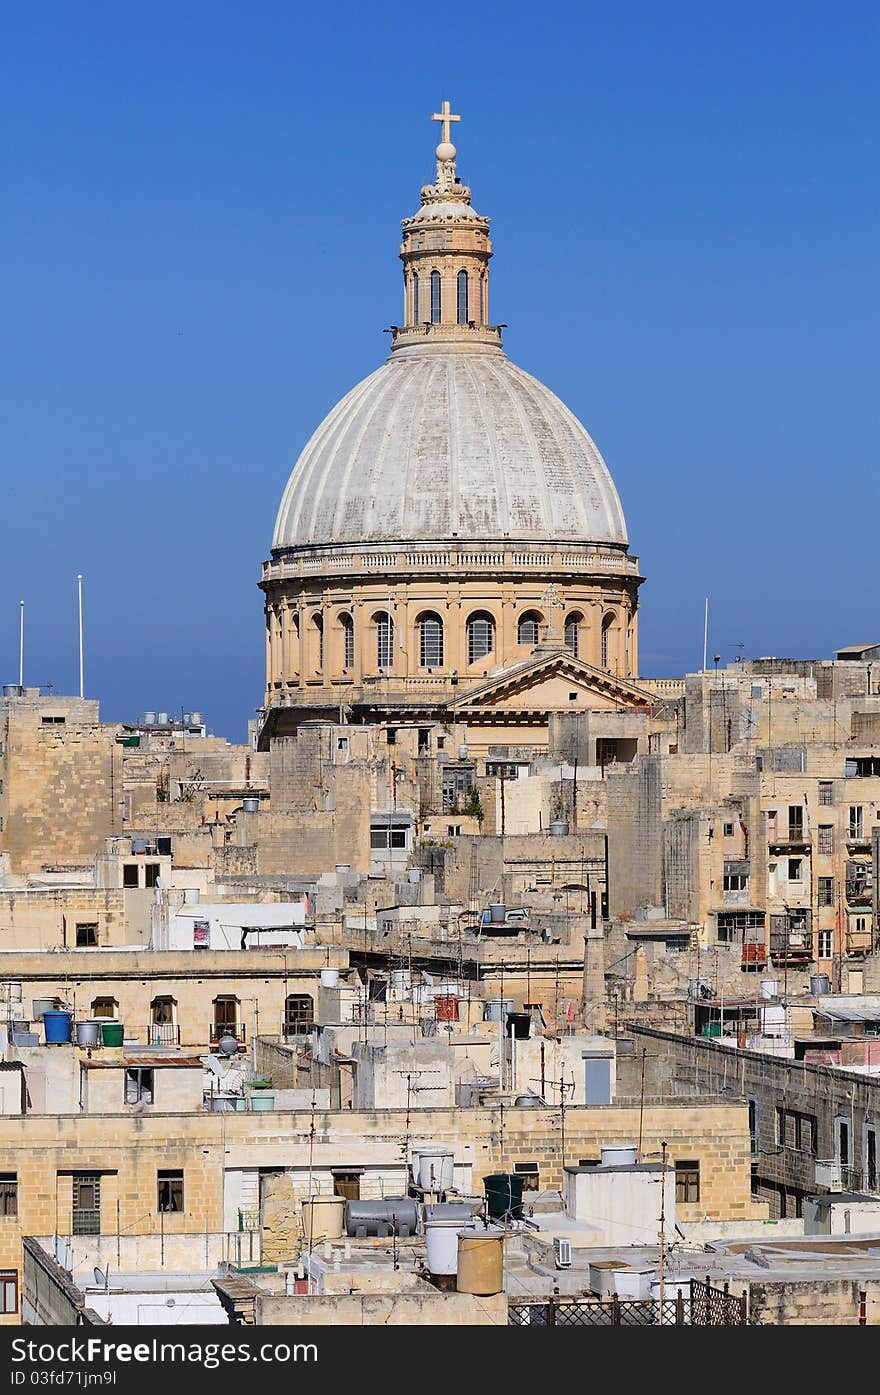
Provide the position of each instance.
(414, 874)
(461, 1211)
(519, 1023)
(769, 987)
(112, 1033)
(528, 1102)
(480, 1261)
(447, 1008)
(57, 1025)
(323, 1216)
(329, 978)
(224, 1104)
(416, 1149)
(694, 989)
(436, 1168)
(88, 1033)
(41, 1005)
(401, 978)
(399, 1213)
(496, 1009)
(441, 1244)
(250, 805)
(504, 1194)
(262, 1100)
(558, 828)
(497, 912)
(618, 1154)
(820, 984)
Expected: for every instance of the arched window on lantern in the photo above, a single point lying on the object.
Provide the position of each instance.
(415, 298)
(435, 297)
(461, 297)
(608, 622)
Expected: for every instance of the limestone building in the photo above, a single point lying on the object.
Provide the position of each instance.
(450, 542)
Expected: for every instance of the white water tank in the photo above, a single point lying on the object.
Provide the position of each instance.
(441, 1243)
(401, 978)
(436, 1168)
(329, 978)
(618, 1155)
(769, 987)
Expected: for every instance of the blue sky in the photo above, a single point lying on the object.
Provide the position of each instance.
(199, 253)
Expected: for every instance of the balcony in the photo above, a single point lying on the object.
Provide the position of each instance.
(227, 1029)
(797, 839)
(161, 1034)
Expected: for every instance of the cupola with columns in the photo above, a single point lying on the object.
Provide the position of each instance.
(450, 522)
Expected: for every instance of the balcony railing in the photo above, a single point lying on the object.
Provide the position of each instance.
(161, 1034)
(225, 1029)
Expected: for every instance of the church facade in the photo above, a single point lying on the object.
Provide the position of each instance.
(450, 544)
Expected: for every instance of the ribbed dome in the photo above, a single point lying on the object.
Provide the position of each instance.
(443, 443)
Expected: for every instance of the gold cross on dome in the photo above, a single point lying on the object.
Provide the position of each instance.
(445, 115)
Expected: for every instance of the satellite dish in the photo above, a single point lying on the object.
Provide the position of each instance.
(227, 1045)
(100, 1277)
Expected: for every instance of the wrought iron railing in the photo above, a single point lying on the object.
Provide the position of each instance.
(697, 1305)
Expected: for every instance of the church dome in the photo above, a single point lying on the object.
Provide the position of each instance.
(444, 442)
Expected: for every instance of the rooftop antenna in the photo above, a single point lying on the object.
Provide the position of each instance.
(79, 587)
(21, 645)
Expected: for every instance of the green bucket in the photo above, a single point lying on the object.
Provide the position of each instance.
(112, 1033)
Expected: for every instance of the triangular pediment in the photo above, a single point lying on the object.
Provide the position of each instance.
(547, 681)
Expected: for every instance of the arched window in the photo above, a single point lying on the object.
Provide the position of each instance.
(318, 623)
(299, 1014)
(384, 640)
(435, 297)
(528, 630)
(347, 641)
(480, 636)
(415, 299)
(607, 626)
(461, 294)
(430, 628)
(572, 632)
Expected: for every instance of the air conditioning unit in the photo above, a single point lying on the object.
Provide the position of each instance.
(828, 1174)
(561, 1252)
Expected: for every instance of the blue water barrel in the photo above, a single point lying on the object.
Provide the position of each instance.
(57, 1026)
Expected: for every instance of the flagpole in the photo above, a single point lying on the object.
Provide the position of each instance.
(79, 583)
(706, 635)
(21, 645)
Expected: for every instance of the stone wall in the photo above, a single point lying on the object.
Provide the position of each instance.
(383, 1310)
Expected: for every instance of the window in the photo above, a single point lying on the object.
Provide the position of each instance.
(528, 1171)
(826, 891)
(826, 792)
(347, 641)
(394, 835)
(527, 629)
(86, 935)
(169, 1189)
(424, 740)
(795, 822)
(103, 1007)
(753, 1125)
(430, 628)
(347, 1184)
(480, 636)
(8, 1291)
(129, 874)
(871, 1157)
(728, 830)
(856, 821)
(384, 640)
(687, 1181)
(415, 299)
(87, 1203)
(826, 838)
(572, 634)
(52, 721)
(453, 830)
(318, 624)
(457, 780)
(435, 297)
(825, 944)
(841, 1141)
(461, 293)
(794, 869)
(606, 630)
(736, 876)
(225, 1015)
(734, 923)
(151, 873)
(299, 1014)
(162, 1010)
(8, 1193)
(138, 1085)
